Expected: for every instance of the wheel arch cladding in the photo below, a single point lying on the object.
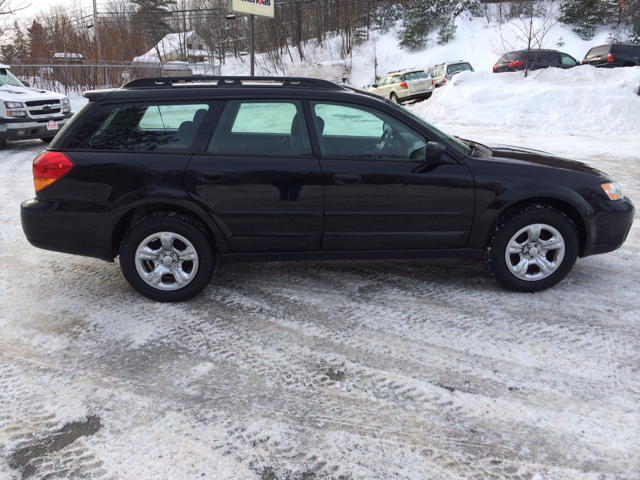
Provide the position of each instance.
(134, 214)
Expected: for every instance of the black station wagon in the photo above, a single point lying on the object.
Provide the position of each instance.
(178, 175)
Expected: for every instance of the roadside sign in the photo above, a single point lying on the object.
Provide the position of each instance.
(125, 74)
(261, 8)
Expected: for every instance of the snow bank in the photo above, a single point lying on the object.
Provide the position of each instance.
(579, 100)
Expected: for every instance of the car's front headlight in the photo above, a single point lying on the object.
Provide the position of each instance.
(64, 101)
(613, 190)
(14, 105)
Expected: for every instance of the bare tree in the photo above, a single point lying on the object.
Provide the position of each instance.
(527, 28)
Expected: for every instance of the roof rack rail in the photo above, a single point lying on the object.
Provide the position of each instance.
(232, 81)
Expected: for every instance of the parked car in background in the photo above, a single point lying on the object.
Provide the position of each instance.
(29, 113)
(534, 60)
(404, 85)
(442, 73)
(613, 55)
(178, 175)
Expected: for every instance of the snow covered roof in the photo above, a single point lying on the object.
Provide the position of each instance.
(67, 55)
(173, 42)
(148, 59)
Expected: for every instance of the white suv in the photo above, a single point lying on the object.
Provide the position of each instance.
(28, 113)
(403, 85)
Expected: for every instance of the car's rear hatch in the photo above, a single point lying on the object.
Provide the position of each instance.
(597, 55)
(503, 64)
(418, 82)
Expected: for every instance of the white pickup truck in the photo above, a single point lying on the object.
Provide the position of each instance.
(28, 113)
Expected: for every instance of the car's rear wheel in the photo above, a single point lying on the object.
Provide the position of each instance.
(394, 97)
(532, 248)
(167, 258)
(47, 139)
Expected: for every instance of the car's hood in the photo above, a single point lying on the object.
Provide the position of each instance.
(13, 93)
(525, 155)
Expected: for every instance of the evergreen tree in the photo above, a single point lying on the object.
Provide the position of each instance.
(418, 22)
(152, 16)
(585, 15)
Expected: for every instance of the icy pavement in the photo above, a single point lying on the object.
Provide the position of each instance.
(337, 370)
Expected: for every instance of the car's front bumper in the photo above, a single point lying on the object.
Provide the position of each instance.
(28, 128)
(611, 223)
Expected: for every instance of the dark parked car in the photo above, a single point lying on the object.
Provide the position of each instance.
(613, 55)
(177, 175)
(535, 60)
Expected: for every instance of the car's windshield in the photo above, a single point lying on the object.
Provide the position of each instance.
(6, 78)
(454, 142)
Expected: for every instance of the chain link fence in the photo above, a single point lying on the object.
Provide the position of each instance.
(79, 77)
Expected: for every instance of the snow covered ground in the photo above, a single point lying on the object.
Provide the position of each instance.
(337, 370)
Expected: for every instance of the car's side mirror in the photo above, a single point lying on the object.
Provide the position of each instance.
(26, 84)
(432, 151)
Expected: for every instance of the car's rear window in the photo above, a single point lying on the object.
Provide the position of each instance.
(140, 127)
(415, 75)
(598, 51)
(511, 57)
(458, 67)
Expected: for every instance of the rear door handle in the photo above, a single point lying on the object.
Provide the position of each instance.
(346, 179)
(210, 177)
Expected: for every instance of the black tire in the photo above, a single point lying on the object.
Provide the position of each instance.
(394, 98)
(3, 142)
(179, 226)
(529, 217)
(47, 139)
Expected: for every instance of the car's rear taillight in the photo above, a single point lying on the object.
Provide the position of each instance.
(517, 63)
(403, 85)
(582, 62)
(49, 167)
(495, 66)
(609, 58)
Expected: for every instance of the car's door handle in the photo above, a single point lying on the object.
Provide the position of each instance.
(346, 179)
(210, 177)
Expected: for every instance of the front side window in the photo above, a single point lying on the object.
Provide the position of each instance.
(262, 128)
(354, 131)
(141, 127)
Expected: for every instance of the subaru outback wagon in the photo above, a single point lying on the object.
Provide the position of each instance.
(178, 175)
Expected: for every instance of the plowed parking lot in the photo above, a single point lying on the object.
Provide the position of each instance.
(337, 370)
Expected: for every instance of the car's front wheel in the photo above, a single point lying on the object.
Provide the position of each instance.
(167, 257)
(532, 248)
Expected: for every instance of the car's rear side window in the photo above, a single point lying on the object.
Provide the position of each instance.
(140, 127)
(261, 128)
(623, 49)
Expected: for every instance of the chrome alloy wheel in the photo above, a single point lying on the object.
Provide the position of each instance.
(535, 252)
(166, 261)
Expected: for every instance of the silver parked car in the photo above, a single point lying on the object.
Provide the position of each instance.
(442, 73)
(404, 85)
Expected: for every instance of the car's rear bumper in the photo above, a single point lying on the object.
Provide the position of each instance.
(77, 228)
(416, 96)
(611, 223)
